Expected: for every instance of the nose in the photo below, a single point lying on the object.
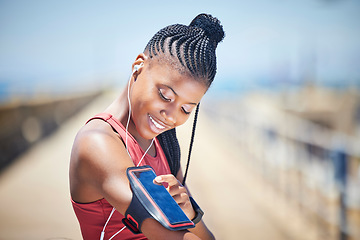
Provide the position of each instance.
(169, 115)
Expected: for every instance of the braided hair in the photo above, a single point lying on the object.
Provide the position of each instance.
(193, 46)
(190, 50)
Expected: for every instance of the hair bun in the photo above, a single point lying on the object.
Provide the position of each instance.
(211, 26)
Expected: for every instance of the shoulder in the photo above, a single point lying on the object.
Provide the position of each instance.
(97, 143)
(96, 135)
(98, 157)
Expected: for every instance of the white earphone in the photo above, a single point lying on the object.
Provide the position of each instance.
(137, 67)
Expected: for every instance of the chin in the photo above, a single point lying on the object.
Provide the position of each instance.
(147, 128)
(146, 133)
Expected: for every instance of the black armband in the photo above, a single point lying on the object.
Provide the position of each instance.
(198, 212)
(151, 200)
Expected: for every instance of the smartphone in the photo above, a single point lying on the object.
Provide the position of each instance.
(156, 199)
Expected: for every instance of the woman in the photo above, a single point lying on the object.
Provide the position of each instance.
(168, 81)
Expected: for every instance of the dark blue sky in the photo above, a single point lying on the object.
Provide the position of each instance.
(68, 44)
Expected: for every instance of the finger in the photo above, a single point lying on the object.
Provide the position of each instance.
(169, 178)
(181, 198)
(176, 189)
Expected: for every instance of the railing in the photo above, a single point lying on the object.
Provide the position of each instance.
(312, 167)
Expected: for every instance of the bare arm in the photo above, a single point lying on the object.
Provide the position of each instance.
(98, 169)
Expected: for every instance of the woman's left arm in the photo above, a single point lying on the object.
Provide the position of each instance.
(181, 196)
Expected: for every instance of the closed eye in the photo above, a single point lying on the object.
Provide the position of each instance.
(186, 112)
(163, 97)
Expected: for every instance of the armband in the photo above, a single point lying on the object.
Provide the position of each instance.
(198, 212)
(151, 200)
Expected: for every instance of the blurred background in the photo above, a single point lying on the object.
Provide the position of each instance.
(276, 154)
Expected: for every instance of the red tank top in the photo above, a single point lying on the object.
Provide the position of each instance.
(92, 216)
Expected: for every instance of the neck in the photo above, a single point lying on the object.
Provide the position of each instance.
(119, 109)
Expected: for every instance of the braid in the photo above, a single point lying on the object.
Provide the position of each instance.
(189, 63)
(197, 54)
(191, 143)
(172, 40)
(179, 53)
(203, 54)
(193, 47)
(171, 148)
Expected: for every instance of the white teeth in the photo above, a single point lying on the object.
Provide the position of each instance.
(156, 123)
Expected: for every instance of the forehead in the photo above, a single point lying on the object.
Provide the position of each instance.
(183, 83)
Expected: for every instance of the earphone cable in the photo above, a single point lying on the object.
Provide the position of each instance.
(117, 232)
(128, 120)
(103, 231)
(126, 137)
(126, 146)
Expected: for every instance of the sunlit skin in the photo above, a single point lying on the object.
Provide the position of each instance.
(159, 94)
(165, 95)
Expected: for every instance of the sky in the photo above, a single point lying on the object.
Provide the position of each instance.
(67, 46)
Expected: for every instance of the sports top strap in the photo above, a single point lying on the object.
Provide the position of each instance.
(118, 127)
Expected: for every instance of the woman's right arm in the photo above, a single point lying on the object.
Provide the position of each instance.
(99, 162)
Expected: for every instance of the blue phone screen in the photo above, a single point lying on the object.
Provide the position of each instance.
(162, 198)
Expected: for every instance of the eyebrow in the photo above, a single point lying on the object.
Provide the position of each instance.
(177, 94)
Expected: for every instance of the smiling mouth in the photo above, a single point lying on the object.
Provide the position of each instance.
(157, 124)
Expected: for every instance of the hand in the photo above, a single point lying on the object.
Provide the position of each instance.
(178, 192)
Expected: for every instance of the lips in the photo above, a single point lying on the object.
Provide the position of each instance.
(156, 125)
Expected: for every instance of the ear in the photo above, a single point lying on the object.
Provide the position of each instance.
(139, 61)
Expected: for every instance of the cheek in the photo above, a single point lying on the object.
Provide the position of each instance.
(142, 97)
(183, 118)
(146, 105)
